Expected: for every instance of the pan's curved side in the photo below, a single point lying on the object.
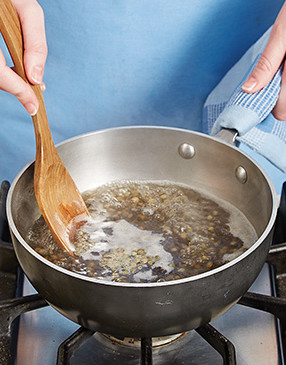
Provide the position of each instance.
(143, 311)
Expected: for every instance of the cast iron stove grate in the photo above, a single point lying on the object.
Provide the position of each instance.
(12, 305)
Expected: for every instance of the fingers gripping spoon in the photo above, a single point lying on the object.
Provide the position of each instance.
(56, 193)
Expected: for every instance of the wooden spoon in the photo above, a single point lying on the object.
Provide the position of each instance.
(56, 193)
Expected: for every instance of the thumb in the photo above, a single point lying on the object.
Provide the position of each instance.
(261, 75)
(271, 57)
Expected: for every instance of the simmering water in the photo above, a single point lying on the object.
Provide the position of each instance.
(148, 232)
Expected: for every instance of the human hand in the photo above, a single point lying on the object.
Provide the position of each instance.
(35, 52)
(268, 64)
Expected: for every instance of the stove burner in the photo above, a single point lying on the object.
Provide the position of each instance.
(12, 306)
(209, 333)
(136, 342)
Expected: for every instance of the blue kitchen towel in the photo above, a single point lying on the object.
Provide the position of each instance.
(250, 114)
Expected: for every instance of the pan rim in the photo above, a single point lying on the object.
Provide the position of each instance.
(197, 277)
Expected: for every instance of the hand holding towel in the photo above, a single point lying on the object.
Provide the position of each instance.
(228, 106)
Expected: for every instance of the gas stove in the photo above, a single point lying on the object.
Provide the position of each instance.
(251, 332)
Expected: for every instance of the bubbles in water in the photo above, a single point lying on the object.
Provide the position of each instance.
(150, 231)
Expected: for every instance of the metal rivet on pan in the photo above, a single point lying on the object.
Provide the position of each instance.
(241, 174)
(186, 150)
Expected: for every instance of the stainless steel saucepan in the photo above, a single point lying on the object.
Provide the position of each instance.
(149, 153)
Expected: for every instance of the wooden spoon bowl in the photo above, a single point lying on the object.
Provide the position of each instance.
(56, 193)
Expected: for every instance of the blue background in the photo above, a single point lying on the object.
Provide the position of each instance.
(127, 62)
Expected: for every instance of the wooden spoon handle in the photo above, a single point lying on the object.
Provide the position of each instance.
(57, 195)
(10, 28)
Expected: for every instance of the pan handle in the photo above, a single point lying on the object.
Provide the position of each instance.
(228, 136)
